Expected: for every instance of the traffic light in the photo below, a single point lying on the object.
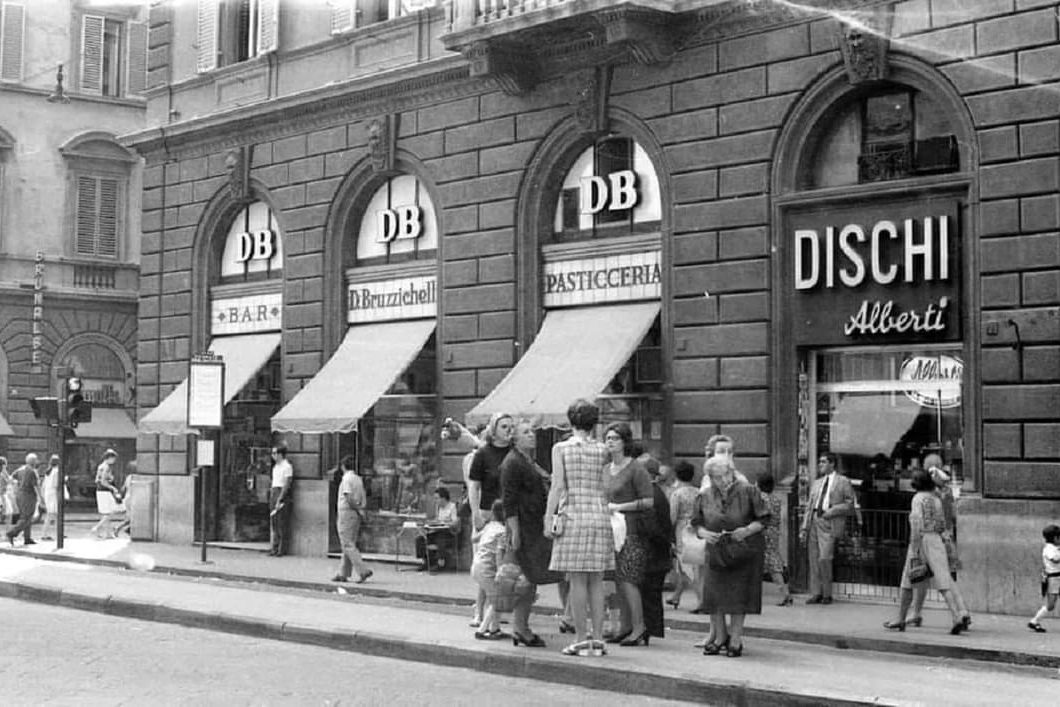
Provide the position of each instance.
(77, 408)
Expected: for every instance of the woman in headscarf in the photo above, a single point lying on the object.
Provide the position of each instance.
(484, 477)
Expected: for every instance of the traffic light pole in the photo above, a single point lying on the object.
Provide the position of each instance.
(60, 492)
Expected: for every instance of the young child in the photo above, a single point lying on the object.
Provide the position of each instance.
(490, 543)
(774, 566)
(1050, 575)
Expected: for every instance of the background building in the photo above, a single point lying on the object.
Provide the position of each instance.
(69, 222)
(829, 229)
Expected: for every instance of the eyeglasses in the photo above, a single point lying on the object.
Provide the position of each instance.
(612, 438)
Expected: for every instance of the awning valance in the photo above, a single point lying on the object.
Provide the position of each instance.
(576, 352)
(5, 429)
(365, 365)
(107, 423)
(243, 355)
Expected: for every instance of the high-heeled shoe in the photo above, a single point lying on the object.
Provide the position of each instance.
(957, 627)
(786, 601)
(618, 637)
(641, 639)
(895, 625)
(716, 648)
(531, 641)
(565, 627)
(734, 651)
(673, 603)
(966, 621)
(917, 621)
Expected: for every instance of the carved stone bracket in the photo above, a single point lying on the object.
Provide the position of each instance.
(865, 40)
(237, 165)
(382, 142)
(590, 102)
(646, 33)
(514, 71)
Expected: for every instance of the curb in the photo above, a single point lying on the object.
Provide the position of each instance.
(879, 645)
(552, 670)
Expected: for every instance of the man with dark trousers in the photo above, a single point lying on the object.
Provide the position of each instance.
(27, 496)
(825, 522)
(280, 500)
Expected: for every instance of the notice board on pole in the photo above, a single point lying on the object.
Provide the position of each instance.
(206, 384)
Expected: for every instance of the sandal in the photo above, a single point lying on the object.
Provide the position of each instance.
(579, 648)
(494, 635)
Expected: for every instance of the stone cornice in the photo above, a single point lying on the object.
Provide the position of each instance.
(738, 18)
(315, 109)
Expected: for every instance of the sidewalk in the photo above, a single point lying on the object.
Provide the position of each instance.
(847, 625)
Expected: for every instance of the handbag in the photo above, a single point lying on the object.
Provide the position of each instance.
(728, 553)
(558, 521)
(618, 529)
(693, 547)
(919, 570)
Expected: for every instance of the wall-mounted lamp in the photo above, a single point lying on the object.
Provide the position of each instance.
(59, 94)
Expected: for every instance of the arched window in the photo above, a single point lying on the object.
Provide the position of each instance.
(893, 132)
(98, 190)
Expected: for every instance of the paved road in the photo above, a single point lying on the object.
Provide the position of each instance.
(69, 657)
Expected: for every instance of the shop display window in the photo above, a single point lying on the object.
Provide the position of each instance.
(634, 395)
(395, 442)
(883, 411)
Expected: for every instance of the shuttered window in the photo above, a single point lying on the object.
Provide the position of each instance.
(206, 57)
(231, 31)
(343, 14)
(113, 56)
(92, 53)
(97, 219)
(12, 34)
(136, 69)
(268, 19)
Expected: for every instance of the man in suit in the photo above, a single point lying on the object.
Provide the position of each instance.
(825, 522)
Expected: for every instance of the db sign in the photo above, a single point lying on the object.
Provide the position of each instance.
(399, 223)
(258, 245)
(617, 192)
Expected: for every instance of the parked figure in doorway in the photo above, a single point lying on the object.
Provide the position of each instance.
(927, 523)
(825, 523)
(27, 497)
(933, 463)
(108, 496)
(731, 516)
(491, 542)
(350, 508)
(629, 493)
(658, 532)
(1050, 575)
(50, 491)
(682, 508)
(439, 535)
(280, 500)
(582, 540)
(524, 490)
(7, 494)
(775, 565)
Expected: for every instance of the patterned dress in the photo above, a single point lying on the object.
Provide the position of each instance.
(774, 561)
(587, 543)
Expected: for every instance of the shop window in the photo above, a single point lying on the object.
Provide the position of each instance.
(634, 395)
(610, 190)
(106, 381)
(395, 442)
(398, 224)
(113, 56)
(892, 134)
(349, 14)
(233, 31)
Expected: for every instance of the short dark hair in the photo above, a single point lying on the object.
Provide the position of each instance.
(583, 414)
(1051, 533)
(625, 433)
(766, 484)
(922, 480)
(442, 492)
(684, 471)
(280, 449)
(497, 509)
(830, 456)
(349, 462)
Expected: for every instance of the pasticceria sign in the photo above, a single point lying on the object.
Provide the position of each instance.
(881, 274)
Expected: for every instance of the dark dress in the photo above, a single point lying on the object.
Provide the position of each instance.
(658, 531)
(486, 469)
(735, 590)
(632, 483)
(524, 492)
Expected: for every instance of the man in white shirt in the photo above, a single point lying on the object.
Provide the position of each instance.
(351, 506)
(280, 500)
(825, 522)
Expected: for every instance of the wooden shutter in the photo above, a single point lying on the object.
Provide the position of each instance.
(92, 53)
(343, 14)
(12, 33)
(136, 58)
(86, 216)
(268, 25)
(98, 201)
(206, 33)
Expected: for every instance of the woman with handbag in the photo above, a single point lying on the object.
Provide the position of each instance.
(582, 542)
(524, 491)
(730, 516)
(630, 493)
(926, 556)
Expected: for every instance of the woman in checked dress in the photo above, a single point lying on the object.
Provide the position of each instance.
(585, 548)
